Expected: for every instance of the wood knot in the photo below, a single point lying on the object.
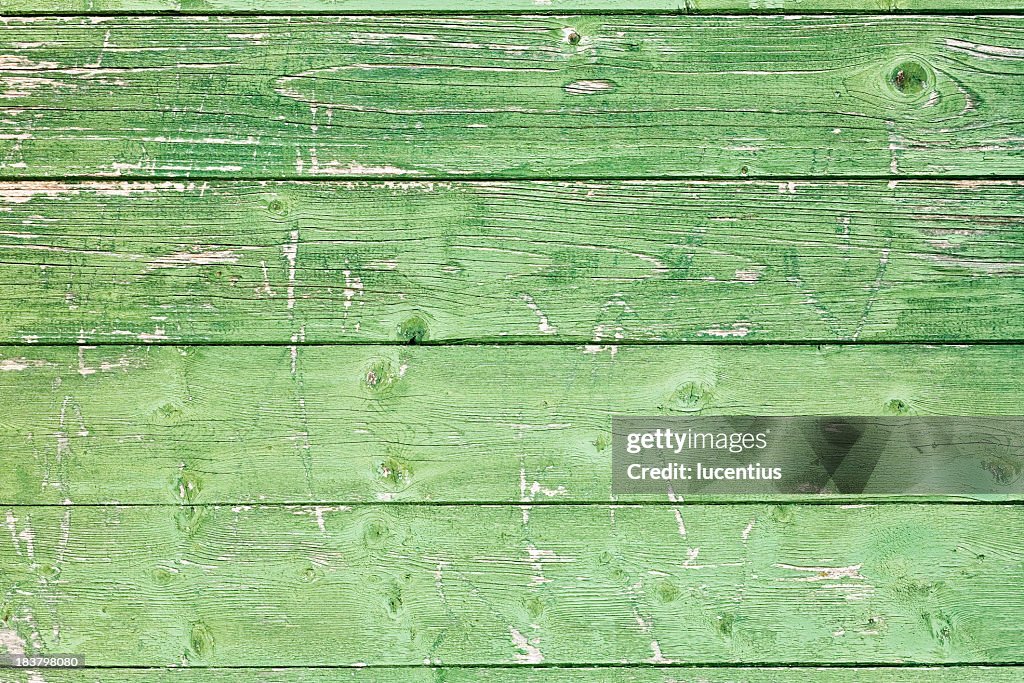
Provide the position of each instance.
(277, 207)
(162, 576)
(666, 591)
(393, 599)
(534, 607)
(910, 78)
(376, 533)
(382, 375)
(187, 487)
(200, 640)
(49, 571)
(897, 407)
(309, 574)
(413, 331)
(189, 519)
(571, 36)
(690, 397)
(394, 471)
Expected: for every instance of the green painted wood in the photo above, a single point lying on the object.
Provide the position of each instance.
(408, 585)
(529, 6)
(528, 674)
(509, 261)
(511, 96)
(527, 424)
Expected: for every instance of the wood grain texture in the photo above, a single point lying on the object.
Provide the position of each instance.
(527, 424)
(580, 262)
(376, 585)
(528, 674)
(508, 96)
(504, 6)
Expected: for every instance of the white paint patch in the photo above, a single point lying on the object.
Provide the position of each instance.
(291, 253)
(158, 334)
(17, 364)
(984, 51)
(745, 534)
(65, 532)
(184, 259)
(748, 275)
(538, 558)
(83, 369)
(353, 286)
(28, 191)
(542, 325)
(318, 512)
(293, 350)
(439, 579)
(530, 653)
(265, 289)
(588, 87)
(657, 657)
(355, 168)
(741, 329)
(12, 643)
(824, 573)
(594, 349)
(12, 526)
(28, 537)
(679, 522)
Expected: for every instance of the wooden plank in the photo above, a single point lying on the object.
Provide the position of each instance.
(512, 96)
(528, 424)
(528, 6)
(581, 262)
(528, 674)
(408, 585)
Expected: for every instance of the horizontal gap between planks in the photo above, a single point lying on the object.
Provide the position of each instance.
(531, 12)
(833, 502)
(573, 665)
(487, 341)
(483, 178)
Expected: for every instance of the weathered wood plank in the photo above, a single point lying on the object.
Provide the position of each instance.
(521, 424)
(529, 6)
(528, 674)
(581, 262)
(593, 584)
(510, 96)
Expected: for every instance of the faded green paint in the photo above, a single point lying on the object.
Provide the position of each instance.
(406, 585)
(586, 262)
(576, 96)
(275, 506)
(523, 674)
(525, 6)
(459, 424)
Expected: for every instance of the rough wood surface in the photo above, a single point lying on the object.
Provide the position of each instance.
(582, 262)
(375, 585)
(527, 674)
(528, 6)
(545, 96)
(528, 424)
